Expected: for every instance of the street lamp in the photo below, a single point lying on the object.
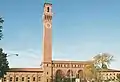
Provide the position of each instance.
(12, 55)
(1, 20)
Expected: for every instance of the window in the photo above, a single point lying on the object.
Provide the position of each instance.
(113, 77)
(66, 65)
(22, 78)
(82, 65)
(48, 9)
(10, 78)
(73, 65)
(16, 78)
(76, 65)
(4, 78)
(39, 79)
(47, 72)
(28, 78)
(47, 65)
(33, 78)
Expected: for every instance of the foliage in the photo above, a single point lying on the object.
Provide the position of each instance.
(1, 22)
(60, 78)
(90, 72)
(100, 62)
(68, 80)
(103, 60)
(3, 63)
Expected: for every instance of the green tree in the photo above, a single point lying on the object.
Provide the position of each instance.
(1, 27)
(58, 78)
(3, 56)
(3, 63)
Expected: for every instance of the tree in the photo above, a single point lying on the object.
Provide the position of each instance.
(3, 56)
(90, 72)
(3, 63)
(60, 78)
(1, 22)
(103, 60)
(100, 62)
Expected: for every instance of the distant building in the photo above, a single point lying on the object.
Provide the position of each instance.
(110, 74)
(49, 68)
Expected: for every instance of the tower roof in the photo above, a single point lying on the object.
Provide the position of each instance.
(47, 2)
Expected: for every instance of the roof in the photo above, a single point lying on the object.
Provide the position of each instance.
(111, 70)
(47, 3)
(25, 70)
(79, 62)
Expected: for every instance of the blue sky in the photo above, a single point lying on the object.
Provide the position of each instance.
(81, 30)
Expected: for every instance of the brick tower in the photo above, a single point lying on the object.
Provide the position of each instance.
(47, 42)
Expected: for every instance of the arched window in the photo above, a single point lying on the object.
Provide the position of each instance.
(10, 78)
(69, 73)
(4, 78)
(59, 75)
(48, 9)
(22, 78)
(33, 78)
(80, 73)
(39, 78)
(16, 78)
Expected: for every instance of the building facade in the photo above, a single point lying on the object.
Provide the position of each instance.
(49, 68)
(110, 75)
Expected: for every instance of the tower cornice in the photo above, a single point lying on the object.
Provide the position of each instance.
(47, 3)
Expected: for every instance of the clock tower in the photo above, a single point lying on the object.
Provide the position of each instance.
(47, 42)
(47, 32)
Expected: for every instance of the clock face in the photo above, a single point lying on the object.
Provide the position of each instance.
(48, 25)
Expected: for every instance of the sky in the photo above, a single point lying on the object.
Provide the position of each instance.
(81, 29)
